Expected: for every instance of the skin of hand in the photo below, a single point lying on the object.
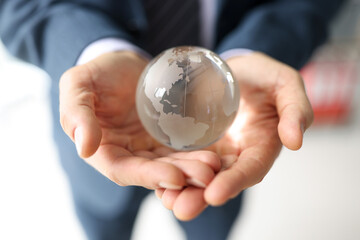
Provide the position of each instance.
(97, 111)
(274, 111)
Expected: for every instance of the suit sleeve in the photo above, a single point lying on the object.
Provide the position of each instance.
(288, 30)
(51, 33)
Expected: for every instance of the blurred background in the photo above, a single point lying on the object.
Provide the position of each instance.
(313, 193)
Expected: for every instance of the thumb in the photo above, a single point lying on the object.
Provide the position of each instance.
(294, 109)
(77, 111)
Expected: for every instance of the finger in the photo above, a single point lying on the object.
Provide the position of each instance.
(197, 173)
(168, 198)
(123, 168)
(208, 157)
(189, 204)
(227, 161)
(249, 169)
(159, 192)
(77, 115)
(294, 109)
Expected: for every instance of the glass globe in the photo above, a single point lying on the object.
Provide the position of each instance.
(187, 98)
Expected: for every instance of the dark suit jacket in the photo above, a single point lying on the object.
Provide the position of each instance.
(52, 33)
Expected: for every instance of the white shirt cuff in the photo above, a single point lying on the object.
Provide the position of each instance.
(106, 45)
(236, 52)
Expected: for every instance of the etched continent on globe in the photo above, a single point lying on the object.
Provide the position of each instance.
(187, 98)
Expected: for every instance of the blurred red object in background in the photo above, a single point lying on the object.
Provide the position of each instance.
(330, 87)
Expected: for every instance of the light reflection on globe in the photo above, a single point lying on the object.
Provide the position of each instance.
(187, 98)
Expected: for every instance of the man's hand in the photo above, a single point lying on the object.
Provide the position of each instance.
(97, 111)
(274, 110)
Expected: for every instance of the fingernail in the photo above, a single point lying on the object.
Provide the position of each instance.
(169, 186)
(78, 140)
(158, 195)
(195, 182)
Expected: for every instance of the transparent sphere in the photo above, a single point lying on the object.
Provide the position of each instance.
(187, 98)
